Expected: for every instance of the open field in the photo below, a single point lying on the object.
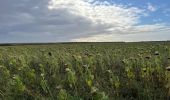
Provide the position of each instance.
(85, 71)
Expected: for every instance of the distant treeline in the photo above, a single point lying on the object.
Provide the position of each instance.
(21, 44)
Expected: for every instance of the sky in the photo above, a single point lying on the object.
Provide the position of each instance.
(25, 21)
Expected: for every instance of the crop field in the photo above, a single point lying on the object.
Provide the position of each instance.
(85, 71)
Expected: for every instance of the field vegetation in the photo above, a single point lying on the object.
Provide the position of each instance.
(85, 71)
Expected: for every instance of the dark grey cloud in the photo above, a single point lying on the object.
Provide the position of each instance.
(33, 19)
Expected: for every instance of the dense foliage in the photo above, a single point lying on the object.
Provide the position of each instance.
(85, 71)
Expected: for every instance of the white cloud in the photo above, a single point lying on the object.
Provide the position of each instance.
(99, 12)
(147, 36)
(151, 7)
(70, 20)
(137, 33)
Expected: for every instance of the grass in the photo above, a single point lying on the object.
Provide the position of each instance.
(85, 71)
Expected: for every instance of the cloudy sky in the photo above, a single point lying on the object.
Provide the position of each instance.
(84, 20)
